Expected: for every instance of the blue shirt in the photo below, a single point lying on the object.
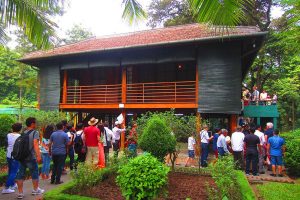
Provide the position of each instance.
(216, 135)
(59, 141)
(269, 132)
(276, 144)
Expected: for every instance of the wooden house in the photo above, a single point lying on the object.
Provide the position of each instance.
(191, 68)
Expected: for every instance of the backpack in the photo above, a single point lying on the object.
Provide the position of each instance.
(78, 143)
(21, 149)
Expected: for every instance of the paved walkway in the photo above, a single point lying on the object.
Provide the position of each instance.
(44, 184)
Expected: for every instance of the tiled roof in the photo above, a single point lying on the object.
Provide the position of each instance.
(142, 38)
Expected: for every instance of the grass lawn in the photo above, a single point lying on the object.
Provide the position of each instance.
(276, 191)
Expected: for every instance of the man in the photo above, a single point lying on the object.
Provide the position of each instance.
(261, 156)
(108, 139)
(246, 128)
(252, 143)
(222, 144)
(117, 130)
(91, 139)
(59, 142)
(132, 140)
(269, 132)
(255, 94)
(237, 144)
(205, 139)
(216, 136)
(276, 149)
(31, 161)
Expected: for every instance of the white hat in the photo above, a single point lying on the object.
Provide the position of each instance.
(117, 123)
(93, 121)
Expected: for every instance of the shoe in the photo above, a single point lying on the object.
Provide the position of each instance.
(247, 174)
(59, 182)
(38, 191)
(255, 174)
(280, 175)
(273, 175)
(15, 187)
(7, 191)
(20, 196)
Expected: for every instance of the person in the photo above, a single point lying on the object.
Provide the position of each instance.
(274, 99)
(246, 97)
(276, 150)
(101, 158)
(59, 142)
(237, 145)
(31, 161)
(12, 164)
(246, 128)
(109, 138)
(117, 130)
(191, 151)
(252, 144)
(78, 144)
(261, 157)
(222, 144)
(216, 136)
(263, 96)
(255, 94)
(132, 140)
(45, 151)
(205, 139)
(70, 152)
(91, 139)
(269, 131)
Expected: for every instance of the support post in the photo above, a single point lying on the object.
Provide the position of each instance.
(275, 122)
(258, 121)
(124, 84)
(123, 132)
(233, 122)
(64, 97)
(197, 85)
(198, 128)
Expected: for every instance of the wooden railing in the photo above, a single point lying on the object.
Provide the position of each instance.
(137, 93)
(95, 94)
(162, 92)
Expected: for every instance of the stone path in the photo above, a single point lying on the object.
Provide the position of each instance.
(44, 184)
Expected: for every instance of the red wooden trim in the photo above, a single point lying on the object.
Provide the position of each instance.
(124, 87)
(123, 133)
(233, 122)
(197, 84)
(64, 97)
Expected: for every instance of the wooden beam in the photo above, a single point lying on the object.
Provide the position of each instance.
(197, 136)
(197, 85)
(162, 105)
(123, 132)
(64, 97)
(233, 122)
(124, 86)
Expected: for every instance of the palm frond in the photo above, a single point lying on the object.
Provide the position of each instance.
(133, 11)
(30, 16)
(220, 12)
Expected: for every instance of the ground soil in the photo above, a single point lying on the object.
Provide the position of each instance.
(181, 186)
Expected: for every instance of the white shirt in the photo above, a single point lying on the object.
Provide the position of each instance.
(191, 143)
(109, 136)
(221, 143)
(11, 138)
(117, 132)
(237, 141)
(204, 136)
(261, 137)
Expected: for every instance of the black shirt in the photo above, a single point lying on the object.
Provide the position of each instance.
(251, 141)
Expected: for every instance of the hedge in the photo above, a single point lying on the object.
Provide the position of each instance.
(244, 186)
(276, 191)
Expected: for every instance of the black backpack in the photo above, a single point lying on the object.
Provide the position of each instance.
(21, 149)
(78, 143)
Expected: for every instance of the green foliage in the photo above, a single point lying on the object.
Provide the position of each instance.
(77, 33)
(243, 186)
(292, 154)
(88, 175)
(275, 191)
(3, 161)
(133, 11)
(157, 138)
(144, 177)
(6, 121)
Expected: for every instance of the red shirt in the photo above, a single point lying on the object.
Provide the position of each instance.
(91, 135)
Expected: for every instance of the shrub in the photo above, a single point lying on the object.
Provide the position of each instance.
(157, 138)
(144, 177)
(3, 161)
(5, 127)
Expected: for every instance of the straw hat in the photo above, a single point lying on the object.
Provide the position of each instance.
(93, 121)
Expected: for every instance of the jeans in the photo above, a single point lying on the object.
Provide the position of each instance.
(238, 159)
(116, 147)
(106, 153)
(46, 163)
(71, 156)
(58, 166)
(221, 151)
(204, 154)
(13, 167)
(251, 157)
(32, 165)
(132, 150)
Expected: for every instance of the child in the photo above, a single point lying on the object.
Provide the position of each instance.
(191, 151)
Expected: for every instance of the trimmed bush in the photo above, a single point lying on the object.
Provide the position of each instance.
(143, 177)
(3, 161)
(157, 138)
(276, 191)
(6, 121)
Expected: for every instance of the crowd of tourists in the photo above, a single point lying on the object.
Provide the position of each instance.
(27, 148)
(257, 97)
(253, 150)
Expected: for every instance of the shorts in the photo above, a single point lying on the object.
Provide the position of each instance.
(32, 165)
(276, 160)
(191, 153)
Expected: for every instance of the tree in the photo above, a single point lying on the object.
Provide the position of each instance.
(76, 34)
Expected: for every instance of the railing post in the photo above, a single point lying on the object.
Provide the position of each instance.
(105, 93)
(64, 97)
(143, 92)
(79, 94)
(175, 92)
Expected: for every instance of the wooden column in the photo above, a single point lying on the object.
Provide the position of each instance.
(124, 86)
(198, 129)
(233, 122)
(64, 97)
(197, 85)
(123, 133)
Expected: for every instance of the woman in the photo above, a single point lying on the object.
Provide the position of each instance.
(71, 134)
(101, 163)
(12, 164)
(45, 151)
